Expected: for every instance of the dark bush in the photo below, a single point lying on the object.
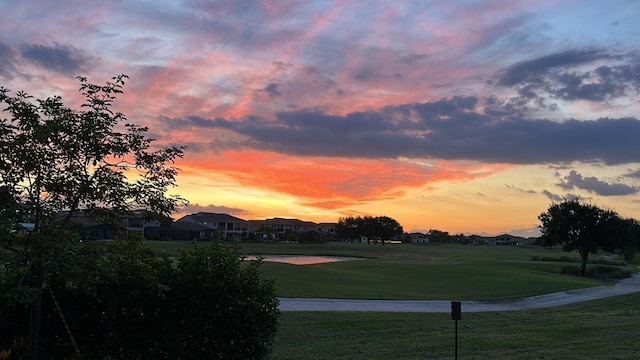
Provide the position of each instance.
(608, 272)
(630, 253)
(569, 270)
(600, 271)
(311, 237)
(219, 307)
(567, 259)
(552, 259)
(126, 302)
(608, 262)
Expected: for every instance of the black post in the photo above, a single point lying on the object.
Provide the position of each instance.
(456, 314)
(456, 352)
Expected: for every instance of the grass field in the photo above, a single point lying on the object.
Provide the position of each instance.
(602, 329)
(411, 271)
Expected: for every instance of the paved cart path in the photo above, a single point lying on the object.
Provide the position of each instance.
(626, 286)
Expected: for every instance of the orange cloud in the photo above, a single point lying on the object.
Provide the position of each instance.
(332, 183)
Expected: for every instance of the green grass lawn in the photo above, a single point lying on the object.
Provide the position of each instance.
(411, 271)
(601, 329)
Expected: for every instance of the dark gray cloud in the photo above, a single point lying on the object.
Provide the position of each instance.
(535, 70)
(488, 129)
(272, 89)
(592, 184)
(64, 59)
(453, 129)
(563, 76)
(548, 194)
(552, 196)
(521, 190)
(193, 121)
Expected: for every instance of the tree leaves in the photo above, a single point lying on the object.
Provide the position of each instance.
(56, 162)
(585, 228)
(382, 227)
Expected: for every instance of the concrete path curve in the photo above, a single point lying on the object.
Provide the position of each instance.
(626, 286)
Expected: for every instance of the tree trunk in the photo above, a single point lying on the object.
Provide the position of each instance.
(583, 265)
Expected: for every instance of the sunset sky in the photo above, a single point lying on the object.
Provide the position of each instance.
(464, 116)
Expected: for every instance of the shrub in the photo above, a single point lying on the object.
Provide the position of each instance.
(569, 270)
(608, 272)
(600, 271)
(608, 262)
(552, 259)
(630, 253)
(219, 307)
(126, 302)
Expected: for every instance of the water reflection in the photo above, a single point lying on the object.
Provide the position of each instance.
(303, 260)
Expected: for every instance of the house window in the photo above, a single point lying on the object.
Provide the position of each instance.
(134, 222)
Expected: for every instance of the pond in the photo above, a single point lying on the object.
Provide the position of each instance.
(303, 259)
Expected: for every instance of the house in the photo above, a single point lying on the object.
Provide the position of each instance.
(137, 223)
(91, 229)
(211, 226)
(25, 228)
(202, 226)
(22, 228)
(285, 229)
(504, 239)
(281, 229)
(164, 230)
(327, 231)
(419, 238)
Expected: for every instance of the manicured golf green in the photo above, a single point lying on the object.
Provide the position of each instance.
(411, 271)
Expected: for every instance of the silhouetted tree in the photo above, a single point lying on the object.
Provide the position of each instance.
(623, 235)
(439, 236)
(122, 300)
(57, 160)
(577, 226)
(347, 228)
(382, 227)
(387, 228)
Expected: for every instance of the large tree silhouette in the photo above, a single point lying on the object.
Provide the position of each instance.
(578, 226)
(56, 161)
(382, 227)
